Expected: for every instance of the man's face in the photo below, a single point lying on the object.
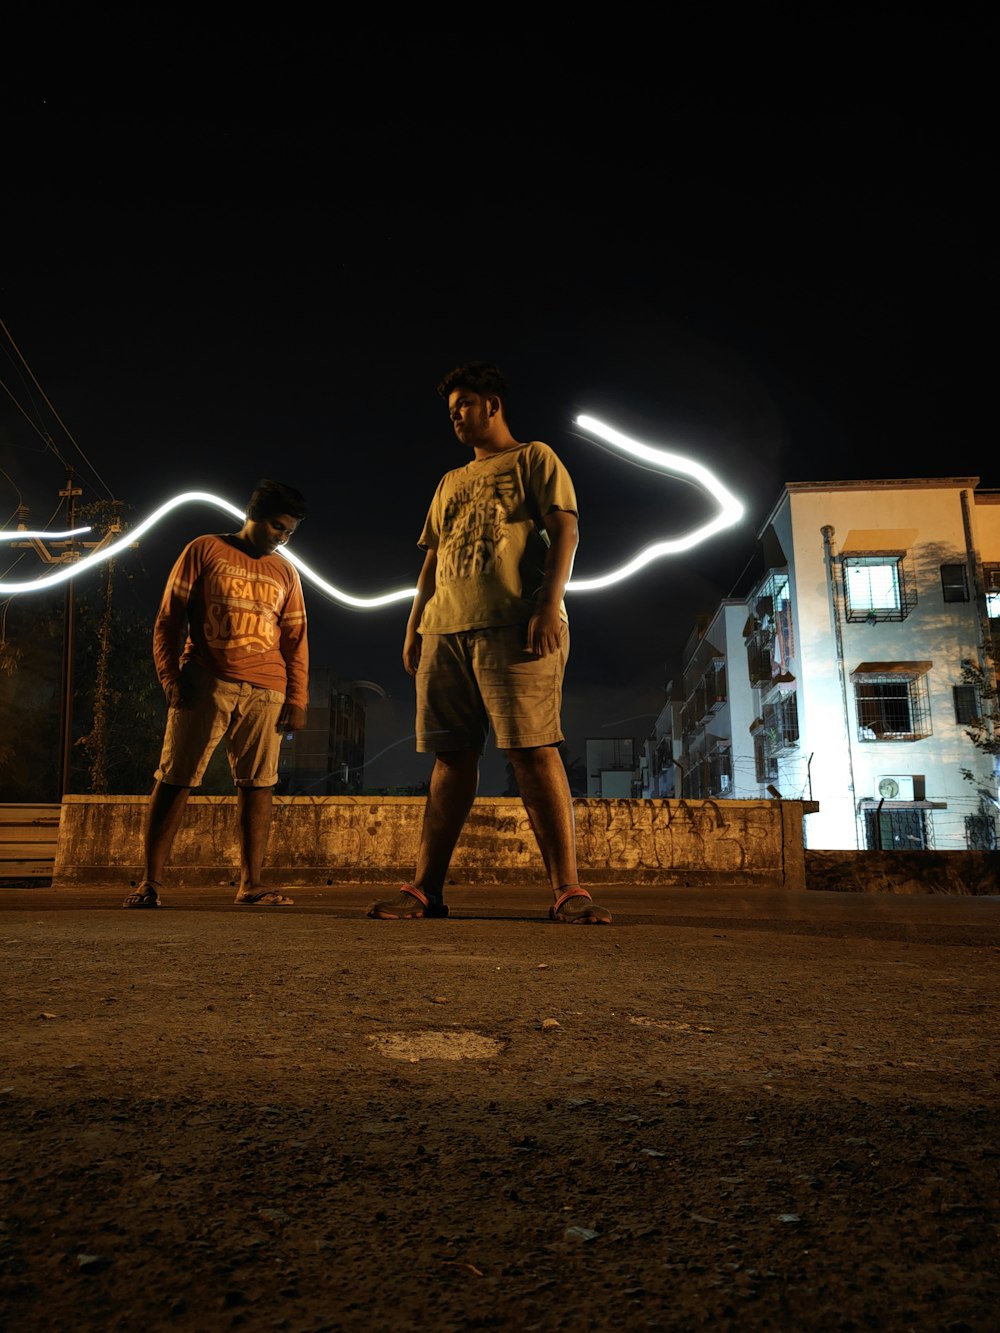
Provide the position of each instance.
(267, 534)
(470, 415)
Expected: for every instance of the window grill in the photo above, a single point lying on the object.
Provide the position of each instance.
(759, 658)
(720, 773)
(897, 830)
(878, 586)
(966, 704)
(769, 634)
(720, 685)
(893, 704)
(991, 578)
(702, 705)
(980, 833)
(765, 763)
(781, 723)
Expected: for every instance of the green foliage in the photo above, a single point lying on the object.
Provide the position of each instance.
(30, 654)
(984, 732)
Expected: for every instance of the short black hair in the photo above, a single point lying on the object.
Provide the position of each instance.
(480, 376)
(271, 498)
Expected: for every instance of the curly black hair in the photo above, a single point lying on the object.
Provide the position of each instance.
(271, 498)
(479, 376)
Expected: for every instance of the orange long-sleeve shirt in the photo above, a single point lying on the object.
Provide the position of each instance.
(241, 617)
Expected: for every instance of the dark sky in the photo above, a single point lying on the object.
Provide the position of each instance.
(763, 249)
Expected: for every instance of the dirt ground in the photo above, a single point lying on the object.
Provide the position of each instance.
(731, 1111)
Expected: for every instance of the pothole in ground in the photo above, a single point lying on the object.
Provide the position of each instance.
(436, 1045)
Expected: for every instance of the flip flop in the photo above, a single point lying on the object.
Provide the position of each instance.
(144, 895)
(263, 898)
(411, 905)
(568, 910)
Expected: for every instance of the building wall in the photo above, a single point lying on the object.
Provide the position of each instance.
(327, 757)
(718, 709)
(817, 526)
(612, 766)
(804, 677)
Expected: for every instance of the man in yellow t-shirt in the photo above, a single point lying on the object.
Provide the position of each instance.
(487, 641)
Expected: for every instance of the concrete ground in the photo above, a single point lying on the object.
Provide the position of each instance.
(730, 1109)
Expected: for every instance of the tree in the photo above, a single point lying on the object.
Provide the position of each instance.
(983, 729)
(30, 655)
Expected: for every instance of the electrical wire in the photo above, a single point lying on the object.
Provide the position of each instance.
(48, 439)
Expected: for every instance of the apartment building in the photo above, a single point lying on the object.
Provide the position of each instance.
(849, 674)
(327, 758)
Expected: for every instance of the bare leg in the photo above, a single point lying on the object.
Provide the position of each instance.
(253, 806)
(453, 786)
(163, 819)
(542, 782)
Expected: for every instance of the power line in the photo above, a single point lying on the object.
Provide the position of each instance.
(50, 443)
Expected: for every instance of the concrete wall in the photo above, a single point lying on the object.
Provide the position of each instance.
(343, 839)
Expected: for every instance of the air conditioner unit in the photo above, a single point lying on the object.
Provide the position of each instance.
(894, 787)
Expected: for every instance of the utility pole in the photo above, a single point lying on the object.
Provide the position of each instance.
(66, 551)
(69, 492)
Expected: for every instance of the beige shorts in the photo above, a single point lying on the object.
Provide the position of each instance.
(244, 716)
(482, 678)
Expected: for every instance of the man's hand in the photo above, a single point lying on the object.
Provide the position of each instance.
(411, 652)
(292, 717)
(544, 631)
(177, 695)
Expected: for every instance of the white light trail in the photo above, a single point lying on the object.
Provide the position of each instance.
(71, 569)
(359, 603)
(48, 536)
(730, 509)
(730, 512)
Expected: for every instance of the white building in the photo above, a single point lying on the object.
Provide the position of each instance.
(847, 682)
(612, 767)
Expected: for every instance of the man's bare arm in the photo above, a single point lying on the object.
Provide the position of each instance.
(564, 537)
(426, 582)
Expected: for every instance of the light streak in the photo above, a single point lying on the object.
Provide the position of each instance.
(47, 536)
(71, 570)
(730, 512)
(730, 509)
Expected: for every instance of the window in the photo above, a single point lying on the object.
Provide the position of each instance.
(769, 634)
(896, 830)
(980, 833)
(877, 586)
(954, 583)
(781, 723)
(892, 701)
(991, 577)
(966, 704)
(765, 764)
(720, 773)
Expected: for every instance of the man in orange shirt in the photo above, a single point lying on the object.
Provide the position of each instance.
(232, 655)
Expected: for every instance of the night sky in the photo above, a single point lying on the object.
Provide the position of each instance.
(769, 255)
